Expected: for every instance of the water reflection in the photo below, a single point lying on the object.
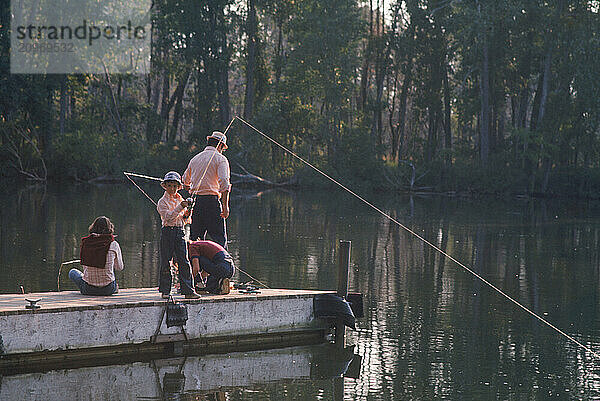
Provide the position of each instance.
(233, 376)
(431, 330)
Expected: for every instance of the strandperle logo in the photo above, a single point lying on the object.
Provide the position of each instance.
(85, 31)
(80, 36)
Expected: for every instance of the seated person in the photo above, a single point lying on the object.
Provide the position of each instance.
(212, 258)
(99, 255)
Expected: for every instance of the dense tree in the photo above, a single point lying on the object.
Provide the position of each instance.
(471, 94)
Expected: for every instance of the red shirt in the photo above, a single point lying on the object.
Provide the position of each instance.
(208, 249)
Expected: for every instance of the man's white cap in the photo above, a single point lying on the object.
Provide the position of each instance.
(220, 136)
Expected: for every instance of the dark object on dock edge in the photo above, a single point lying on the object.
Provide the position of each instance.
(355, 299)
(177, 313)
(331, 306)
(33, 303)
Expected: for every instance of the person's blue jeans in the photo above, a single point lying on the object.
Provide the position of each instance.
(220, 267)
(172, 245)
(87, 289)
(206, 219)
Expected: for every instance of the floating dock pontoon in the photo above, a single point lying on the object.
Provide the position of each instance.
(71, 327)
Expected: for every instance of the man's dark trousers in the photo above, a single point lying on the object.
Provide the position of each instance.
(206, 219)
(220, 267)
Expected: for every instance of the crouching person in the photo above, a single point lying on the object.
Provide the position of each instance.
(212, 258)
(100, 255)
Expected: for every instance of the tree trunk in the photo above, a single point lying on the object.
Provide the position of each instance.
(381, 54)
(485, 108)
(119, 87)
(523, 105)
(205, 95)
(545, 83)
(544, 91)
(432, 134)
(394, 128)
(178, 100)
(113, 107)
(378, 112)
(251, 27)
(279, 53)
(155, 93)
(63, 105)
(223, 88)
(164, 111)
(501, 123)
(447, 116)
(402, 113)
(364, 76)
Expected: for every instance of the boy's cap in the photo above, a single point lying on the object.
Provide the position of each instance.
(172, 176)
(220, 136)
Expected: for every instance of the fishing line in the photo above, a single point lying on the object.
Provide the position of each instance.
(255, 279)
(138, 187)
(60, 268)
(514, 301)
(197, 184)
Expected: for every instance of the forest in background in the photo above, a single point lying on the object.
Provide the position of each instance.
(473, 96)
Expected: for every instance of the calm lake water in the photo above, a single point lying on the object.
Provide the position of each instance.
(431, 329)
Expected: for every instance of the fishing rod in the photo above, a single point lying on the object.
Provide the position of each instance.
(142, 176)
(197, 184)
(60, 268)
(442, 252)
(138, 187)
(254, 279)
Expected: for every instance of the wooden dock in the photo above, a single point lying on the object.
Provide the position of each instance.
(71, 327)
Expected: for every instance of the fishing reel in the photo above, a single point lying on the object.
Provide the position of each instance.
(190, 202)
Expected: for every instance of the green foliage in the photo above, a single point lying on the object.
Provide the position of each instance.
(289, 122)
(356, 162)
(160, 158)
(323, 62)
(575, 183)
(329, 80)
(83, 156)
(496, 179)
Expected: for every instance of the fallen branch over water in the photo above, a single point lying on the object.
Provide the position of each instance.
(251, 179)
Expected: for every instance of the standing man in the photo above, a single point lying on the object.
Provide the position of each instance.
(207, 177)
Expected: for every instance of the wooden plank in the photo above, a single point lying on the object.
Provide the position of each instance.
(11, 304)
